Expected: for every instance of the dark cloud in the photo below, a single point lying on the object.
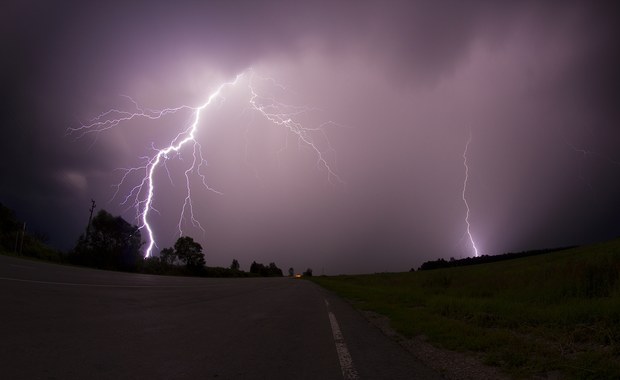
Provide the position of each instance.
(536, 83)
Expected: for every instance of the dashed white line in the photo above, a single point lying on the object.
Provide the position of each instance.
(346, 363)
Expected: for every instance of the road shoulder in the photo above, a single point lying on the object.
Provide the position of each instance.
(375, 355)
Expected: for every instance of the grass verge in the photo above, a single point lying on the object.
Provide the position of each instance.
(554, 313)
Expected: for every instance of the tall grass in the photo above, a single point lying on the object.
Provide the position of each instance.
(555, 312)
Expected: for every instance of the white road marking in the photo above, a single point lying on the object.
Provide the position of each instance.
(346, 363)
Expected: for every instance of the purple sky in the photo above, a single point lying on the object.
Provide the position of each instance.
(536, 84)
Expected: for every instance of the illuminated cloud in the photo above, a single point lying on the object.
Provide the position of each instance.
(406, 81)
(74, 181)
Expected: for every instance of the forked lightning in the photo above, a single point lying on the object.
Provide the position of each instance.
(141, 196)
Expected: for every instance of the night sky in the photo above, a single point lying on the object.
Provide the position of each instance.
(535, 84)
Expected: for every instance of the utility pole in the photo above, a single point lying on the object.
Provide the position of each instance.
(21, 245)
(90, 218)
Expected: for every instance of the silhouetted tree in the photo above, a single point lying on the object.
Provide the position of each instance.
(274, 271)
(291, 272)
(308, 272)
(153, 265)
(112, 243)
(442, 263)
(189, 252)
(256, 268)
(10, 227)
(14, 237)
(168, 256)
(234, 265)
(266, 271)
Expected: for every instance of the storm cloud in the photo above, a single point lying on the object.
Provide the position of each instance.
(534, 84)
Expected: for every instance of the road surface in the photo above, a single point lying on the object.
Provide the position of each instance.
(61, 322)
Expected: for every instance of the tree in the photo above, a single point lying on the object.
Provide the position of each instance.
(266, 271)
(234, 265)
(10, 227)
(256, 268)
(274, 271)
(111, 243)
(168, 256)
(291, 272)
(190, 252)
(308, 272)
(15, 238)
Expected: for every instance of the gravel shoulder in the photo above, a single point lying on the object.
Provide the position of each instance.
(450, 364)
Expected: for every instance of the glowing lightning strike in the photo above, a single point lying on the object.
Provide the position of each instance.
(276, 112)
(471, 238)
(585, 154)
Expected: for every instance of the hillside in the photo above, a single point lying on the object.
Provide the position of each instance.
(552, 313)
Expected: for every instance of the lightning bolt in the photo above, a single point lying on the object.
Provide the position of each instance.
(141, 196)
(463, 196)
(584, 153)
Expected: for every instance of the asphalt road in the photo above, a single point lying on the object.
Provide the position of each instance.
(60, 322)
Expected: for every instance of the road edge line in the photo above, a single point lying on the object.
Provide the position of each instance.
(346, 362)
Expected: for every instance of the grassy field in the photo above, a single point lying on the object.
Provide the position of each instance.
(558, 312)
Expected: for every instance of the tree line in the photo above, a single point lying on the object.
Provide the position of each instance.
(17, 239)
(112, 243)
(443, 263)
